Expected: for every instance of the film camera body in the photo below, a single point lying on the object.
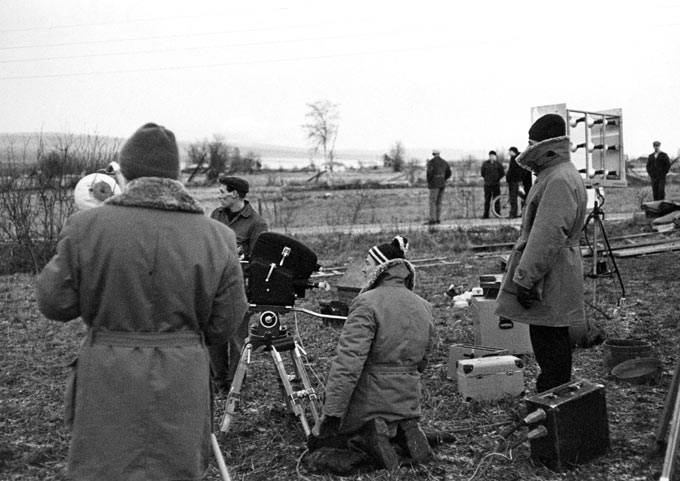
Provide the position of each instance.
(278, 273)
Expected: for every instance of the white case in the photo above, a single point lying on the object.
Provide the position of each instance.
(458, 352)
(488, 330)
(490, 378)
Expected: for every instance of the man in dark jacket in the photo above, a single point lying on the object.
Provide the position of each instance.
(155, 280)
(237, 213)
(492, 173)
(658, 165)
(516, 175)
(543, 286)
(437, 173)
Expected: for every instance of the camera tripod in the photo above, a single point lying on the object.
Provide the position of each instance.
(599, 266)
(271, 336)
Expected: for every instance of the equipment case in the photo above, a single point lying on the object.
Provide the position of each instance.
(469, 351)
(490, 331)
(577, 424)
(489, 378)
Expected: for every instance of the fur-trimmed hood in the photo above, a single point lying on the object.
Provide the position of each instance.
(156, 193)
(393, 269)
(545, 153)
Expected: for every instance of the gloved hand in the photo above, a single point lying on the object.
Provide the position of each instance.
(525, 297)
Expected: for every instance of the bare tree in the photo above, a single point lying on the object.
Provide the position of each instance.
(323, 121)
(398, 154)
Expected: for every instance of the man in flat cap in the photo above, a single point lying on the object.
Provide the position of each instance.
(138, 402)
(438, 172)
(658, 165)
(237, 213)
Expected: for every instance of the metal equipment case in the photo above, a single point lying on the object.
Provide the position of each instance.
(489, 378)
(577, 424)
(458, 352)
(489, 331)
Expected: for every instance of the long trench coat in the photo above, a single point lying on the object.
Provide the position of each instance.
(547, 257)
(154, 279)
(382, 351)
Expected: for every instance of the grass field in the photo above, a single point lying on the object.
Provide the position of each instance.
(265, 443)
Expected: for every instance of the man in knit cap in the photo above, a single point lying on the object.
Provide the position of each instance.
(543, 286)
(492, 173)
(152, 300)
(373, 393)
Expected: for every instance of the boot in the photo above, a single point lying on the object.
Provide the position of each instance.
(414, 440)
(378, 444)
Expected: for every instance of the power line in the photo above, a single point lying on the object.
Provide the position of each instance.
(132, 21)
(165, 37)
(201, 47)
(244, 62)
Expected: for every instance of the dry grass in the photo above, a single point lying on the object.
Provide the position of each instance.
(265, 442)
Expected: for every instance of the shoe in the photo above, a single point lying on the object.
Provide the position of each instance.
(430, 222)
(378, 444)
(414, 440)
(439, 222)
(485, 217)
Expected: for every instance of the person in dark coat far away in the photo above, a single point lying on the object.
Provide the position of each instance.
(516, 175)
(492, 173)
(658, 165)
(155, 280)
(543, 286)
(438, 172)
(373, 393)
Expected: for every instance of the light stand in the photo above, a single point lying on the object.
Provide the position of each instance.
(599, 267)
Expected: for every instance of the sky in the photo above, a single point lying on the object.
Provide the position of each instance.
(458, 76)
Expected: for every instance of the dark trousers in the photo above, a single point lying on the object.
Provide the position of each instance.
(490, 191)
(436, 196)
(224, 358)
(552, 349)
(513, 193)
(659, 188)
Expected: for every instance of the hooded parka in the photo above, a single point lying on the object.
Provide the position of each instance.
(382, 351)
(154, 280)
(547, 257)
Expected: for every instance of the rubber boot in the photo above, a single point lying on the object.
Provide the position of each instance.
(378, 444)
(414, 440)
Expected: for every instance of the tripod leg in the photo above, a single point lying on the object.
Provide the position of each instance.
(307, 385)
(221, 465)
(293, 399)
(235, 391)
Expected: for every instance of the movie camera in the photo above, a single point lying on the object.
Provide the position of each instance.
(278, 274)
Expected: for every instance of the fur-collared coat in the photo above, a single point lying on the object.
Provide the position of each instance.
(154, 280)
(547, 257)
(382, 351)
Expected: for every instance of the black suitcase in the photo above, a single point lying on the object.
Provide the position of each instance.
(279, 270)
(577, 424)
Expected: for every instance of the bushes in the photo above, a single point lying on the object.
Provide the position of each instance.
(36, 193)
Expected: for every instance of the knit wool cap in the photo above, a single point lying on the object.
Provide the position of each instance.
(547, 127)
(235, 183)
(656, 143)
(514, 149)
(386, 252)
(150, 152)
(492, 152)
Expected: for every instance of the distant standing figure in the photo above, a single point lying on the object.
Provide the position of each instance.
(658, 165)
(492, 173)
(516, 175)
(236, 213)
(438, 172)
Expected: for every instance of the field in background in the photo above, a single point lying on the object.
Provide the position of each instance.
(286, 200)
